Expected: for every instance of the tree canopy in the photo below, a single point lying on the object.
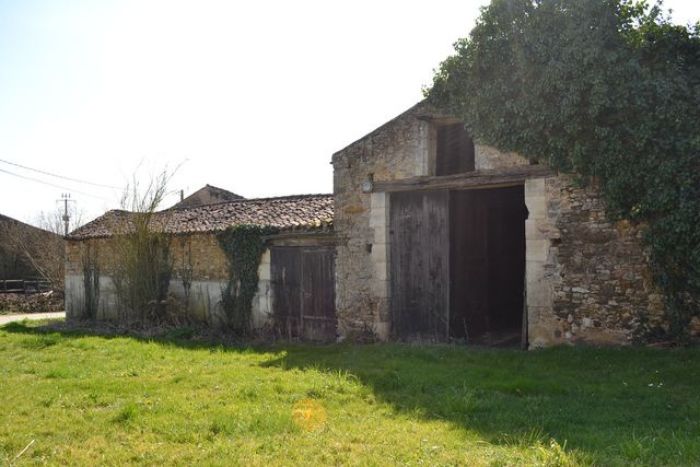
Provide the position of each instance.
(608, 89)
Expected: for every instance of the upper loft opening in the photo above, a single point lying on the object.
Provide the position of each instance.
(454, 149)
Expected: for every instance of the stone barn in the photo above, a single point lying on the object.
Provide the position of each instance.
(441, 237)
(296, 289)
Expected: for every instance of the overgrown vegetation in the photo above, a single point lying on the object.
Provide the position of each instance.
(141, 261)
(603, 88)
(243, 246)
(185, 271)
(91, 280)
(179, 402)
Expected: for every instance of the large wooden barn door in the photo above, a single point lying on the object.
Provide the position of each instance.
(303, 291)
(419, 256)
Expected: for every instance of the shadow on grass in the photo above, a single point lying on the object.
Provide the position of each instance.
(631, 404)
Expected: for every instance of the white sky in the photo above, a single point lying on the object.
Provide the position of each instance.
(253, 97)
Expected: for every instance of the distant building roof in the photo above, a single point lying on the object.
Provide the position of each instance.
(288, 213)
(7, 220)
(207, 195)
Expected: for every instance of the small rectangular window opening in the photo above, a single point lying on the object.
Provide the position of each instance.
(455, 150)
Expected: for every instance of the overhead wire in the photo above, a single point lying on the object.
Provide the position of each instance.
(44, 172)
(54, 185)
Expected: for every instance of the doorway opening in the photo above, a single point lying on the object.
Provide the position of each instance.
(487, 266)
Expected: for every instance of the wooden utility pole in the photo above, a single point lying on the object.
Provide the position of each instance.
(65, 197)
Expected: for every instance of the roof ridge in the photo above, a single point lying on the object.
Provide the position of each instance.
(246, 200)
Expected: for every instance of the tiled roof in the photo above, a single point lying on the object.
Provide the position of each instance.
(288, 213)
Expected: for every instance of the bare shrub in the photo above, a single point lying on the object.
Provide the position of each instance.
(141, 261)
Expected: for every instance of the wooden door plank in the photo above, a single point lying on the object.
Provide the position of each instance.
(285, 272)
(318, 293)
(419, 264)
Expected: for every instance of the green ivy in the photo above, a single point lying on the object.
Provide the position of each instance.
(243, 246)
(602, 88)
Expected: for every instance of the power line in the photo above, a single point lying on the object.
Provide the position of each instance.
(53, 185)
(60, 176)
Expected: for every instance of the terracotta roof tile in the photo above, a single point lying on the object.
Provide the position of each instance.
(301, 212)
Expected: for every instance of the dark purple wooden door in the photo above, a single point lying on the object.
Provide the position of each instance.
(419, 271)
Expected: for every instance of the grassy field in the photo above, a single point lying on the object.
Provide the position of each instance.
(96, 400)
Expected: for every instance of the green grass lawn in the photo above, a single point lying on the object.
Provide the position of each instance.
(97, 400)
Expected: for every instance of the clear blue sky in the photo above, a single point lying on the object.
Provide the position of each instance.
(253, 97)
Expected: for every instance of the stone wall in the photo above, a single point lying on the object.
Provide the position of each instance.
(487, 157)
(597, 271)
(200, 272)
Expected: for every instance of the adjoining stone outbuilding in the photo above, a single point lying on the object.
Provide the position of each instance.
(441, 237)
(296, 270)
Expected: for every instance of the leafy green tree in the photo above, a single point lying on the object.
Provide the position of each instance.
(602, 88)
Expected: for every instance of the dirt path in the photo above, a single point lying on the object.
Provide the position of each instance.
(4, 319)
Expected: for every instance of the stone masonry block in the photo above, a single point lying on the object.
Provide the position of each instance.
(378, 218)
(533, 230)
(536, 250)
(378, 200)
(264, 272)
(535, 198)
(380, 288)
(379, 253)
(536, 207)
(381, 236)
(380, 271)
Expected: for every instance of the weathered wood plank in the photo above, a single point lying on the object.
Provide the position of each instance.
(477, 179)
